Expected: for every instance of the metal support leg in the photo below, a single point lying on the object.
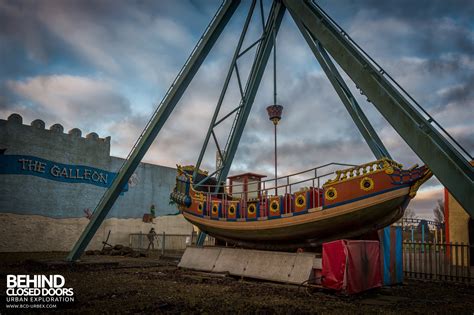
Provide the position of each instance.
(263, 52)
(224, 89)
(170, 100)
(446, 162)
(356, 113)
(201, 238)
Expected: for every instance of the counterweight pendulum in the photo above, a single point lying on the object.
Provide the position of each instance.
(275, 111)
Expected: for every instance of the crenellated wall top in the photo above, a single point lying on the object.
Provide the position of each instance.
(55, 128)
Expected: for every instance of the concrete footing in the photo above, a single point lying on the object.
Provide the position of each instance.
(294, 268)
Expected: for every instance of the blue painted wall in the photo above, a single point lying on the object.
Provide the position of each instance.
(51, 173)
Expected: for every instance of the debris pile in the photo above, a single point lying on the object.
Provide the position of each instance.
(118, 250)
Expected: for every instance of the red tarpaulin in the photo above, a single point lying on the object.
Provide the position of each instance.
(351, 266)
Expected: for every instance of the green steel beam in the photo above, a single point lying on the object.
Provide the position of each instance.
(258, 68)
(243, 103)
(224, 89)
(356, 113)
(167, 105)
(449, 166)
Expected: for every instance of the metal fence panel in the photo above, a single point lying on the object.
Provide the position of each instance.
(437, 261)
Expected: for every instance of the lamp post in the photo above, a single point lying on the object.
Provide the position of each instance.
(274, 113)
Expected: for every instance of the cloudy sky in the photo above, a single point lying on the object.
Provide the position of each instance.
(104, 65)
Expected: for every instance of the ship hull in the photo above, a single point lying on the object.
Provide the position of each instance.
(359, 200)
(311, 229)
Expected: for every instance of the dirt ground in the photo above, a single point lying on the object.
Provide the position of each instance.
(153, 285)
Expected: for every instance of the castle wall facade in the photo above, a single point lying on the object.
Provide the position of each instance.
(49, 177)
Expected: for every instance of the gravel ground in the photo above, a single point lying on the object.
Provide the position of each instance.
(111, 284)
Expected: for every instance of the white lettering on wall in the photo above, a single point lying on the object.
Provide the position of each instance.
(64, 172)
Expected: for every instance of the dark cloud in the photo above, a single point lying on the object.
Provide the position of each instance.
(120, 38)
(462, 93)
(402, 9)
(68, 100)
(388, 29)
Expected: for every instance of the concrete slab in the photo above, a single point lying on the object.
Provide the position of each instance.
(302, 268)
(200, 258)
(266, 265)
(274, 266)
(232, 260)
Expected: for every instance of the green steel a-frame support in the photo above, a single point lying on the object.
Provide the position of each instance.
(150, 132)
(325, 38)
(232, 68)
(447, 163)
(255, 77)
(265, 46)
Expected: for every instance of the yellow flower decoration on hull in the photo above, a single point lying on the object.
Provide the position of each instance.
(232, 210)
(200, 206)
(366, 183)
(215, 209)
(251, 208)
(331, 193)
(300, 201)
(274, 206)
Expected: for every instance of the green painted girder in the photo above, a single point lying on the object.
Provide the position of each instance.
(362, 122)
(449, 166)
(170, 100)
(258, 68)
(224, 90)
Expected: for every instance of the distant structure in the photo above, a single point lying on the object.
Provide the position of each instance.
(47, 174)
(459, 225)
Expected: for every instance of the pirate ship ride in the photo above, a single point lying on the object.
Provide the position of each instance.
(354, 202)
